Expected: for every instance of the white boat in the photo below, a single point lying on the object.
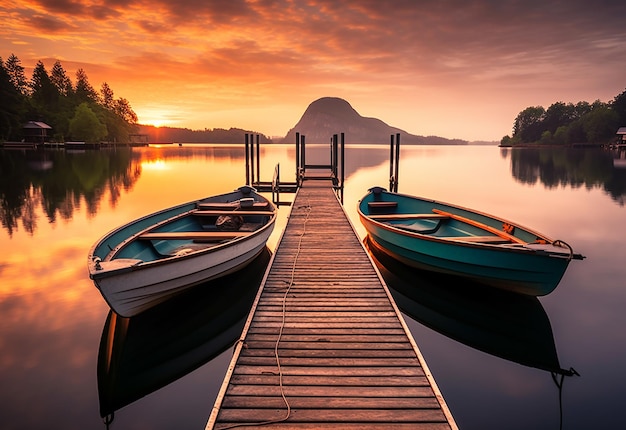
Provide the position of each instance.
(146, 261)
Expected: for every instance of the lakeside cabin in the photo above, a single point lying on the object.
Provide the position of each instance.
(36, 132)
(621, 132)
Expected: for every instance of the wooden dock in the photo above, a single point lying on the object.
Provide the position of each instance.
(325, 345)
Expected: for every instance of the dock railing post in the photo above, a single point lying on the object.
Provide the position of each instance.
(303, 156)
(247, 162)
(258, 160)
(251, 160)
(333, 139)
(391, 178)
(397, 173)
(394, 161)
(334, 160)
(276, 185)
(298, 158)
(343, 142)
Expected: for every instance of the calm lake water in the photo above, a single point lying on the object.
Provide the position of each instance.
(491, 355)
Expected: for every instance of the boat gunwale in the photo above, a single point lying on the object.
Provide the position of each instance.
(458, 241)
(93, 259)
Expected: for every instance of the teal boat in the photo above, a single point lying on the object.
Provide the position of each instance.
(442, 237)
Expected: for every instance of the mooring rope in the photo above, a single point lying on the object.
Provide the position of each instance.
(564, 244)
(280, 332)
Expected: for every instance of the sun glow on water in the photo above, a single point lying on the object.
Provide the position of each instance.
(158, 164)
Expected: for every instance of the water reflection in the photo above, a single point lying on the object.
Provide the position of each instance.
(503, 324)
(554, 167)
(142, 354)
(57, 182)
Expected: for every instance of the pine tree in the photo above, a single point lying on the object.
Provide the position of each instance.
(60, 80)
(17, 77)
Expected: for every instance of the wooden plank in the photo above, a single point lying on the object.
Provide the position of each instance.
(231, 212)
(382, 205)
(270, 361)
(325, 415)
(194, 235)
(338, 426)
(229, 206)
(379, 371)
(482, 226)
(331, 391)
(478, 239)
(333, 402)
(397, 217)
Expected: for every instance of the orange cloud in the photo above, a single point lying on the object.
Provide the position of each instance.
(257, 64)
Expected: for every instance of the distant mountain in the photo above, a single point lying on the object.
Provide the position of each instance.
(331, 115)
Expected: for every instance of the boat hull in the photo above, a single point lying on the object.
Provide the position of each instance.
(154, 285)
(135, 274)
(534, 267)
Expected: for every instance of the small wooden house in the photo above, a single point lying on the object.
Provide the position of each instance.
(36, 132)
(621, 132)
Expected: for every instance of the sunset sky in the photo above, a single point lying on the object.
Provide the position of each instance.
(450, 68)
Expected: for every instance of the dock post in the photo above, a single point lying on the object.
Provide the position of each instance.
(333, 159)
(258, 160)
(391, 178)
(343, 143)
(397, 161)
(251, 160)
(394, 160)
(298, 157)
(247, 162)
(302, 155)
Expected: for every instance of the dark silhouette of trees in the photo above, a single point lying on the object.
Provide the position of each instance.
(12, 106)
(16, 74)
(619, 106)
(86, 126)
(527, 125)
(53, 99)
(564, 124)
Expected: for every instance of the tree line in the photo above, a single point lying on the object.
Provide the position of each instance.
(565, 124)
(74, 110)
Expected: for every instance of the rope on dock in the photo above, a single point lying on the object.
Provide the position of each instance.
(280, 332)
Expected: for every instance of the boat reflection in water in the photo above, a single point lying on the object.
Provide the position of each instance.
(511, 326)
(141, 354)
